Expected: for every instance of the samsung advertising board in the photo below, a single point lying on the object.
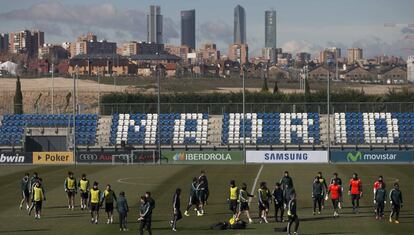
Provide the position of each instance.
(286, 156)
(372, 156)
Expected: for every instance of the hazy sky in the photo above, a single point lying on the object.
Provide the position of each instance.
(303, 25)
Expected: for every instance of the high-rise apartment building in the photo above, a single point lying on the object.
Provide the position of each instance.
(154, 25)
(410, 69)
(354, 54)
(239, 25)
(239, 53)
(4, 42)
(188, 28)
(270, 29)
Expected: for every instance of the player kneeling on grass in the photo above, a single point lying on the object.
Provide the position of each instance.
(264, 200)
(292, 215)
(109, 197)
(396, 202)
(84, 191)
(123, 209)
(243, 203)
(25, 188)
(380, 198)
(38, 195)
(94, 202)
(71, 188)
(176, 209)
(193, 201)
(335, 190)
(145, 214)
(233, 197)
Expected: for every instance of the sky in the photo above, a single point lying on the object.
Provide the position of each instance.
(302, 25)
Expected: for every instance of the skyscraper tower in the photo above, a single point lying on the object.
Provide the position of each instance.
(154, 25)
(239, 25)
(188, 28)
(270, 29)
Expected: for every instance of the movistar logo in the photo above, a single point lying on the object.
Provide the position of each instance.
(354, 157)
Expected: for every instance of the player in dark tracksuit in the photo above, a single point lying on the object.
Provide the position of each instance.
(396, 202)
(380, 198)
(278, 201)
(292, 214)
(176, 209)
(25, 189)
(325, 187)
(193, 197)
(318, 192)
(287, 186)
(145, 216)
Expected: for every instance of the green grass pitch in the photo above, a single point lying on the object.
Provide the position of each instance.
(163, 180)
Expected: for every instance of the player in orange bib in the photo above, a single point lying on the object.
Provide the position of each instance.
(355, 191)
(335, 191)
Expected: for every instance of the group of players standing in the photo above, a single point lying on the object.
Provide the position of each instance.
(284, 198)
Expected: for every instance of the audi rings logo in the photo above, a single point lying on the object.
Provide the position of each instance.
(88, 157)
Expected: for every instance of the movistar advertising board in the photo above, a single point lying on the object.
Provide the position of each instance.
(372, 156)
(202, 157)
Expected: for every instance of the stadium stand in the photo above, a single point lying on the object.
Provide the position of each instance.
(176, 128)
(271, 128)
(13, 126)
(353, 128)
(374, 128)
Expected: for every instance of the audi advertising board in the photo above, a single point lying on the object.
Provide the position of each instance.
(10, 158)
(117, 157)
(372, 156)
(286, 156)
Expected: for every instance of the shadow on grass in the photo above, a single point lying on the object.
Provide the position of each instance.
(24, 231)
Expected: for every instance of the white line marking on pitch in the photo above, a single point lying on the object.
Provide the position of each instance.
(255, 182)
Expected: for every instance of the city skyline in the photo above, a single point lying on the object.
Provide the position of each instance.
(126, 21)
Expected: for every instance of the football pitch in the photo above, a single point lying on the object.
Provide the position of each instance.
(162, 181)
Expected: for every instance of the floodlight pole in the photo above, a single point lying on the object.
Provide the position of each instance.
(158, 70)
(75, 77)
(244, 111)
(328, 91)
(53, 84)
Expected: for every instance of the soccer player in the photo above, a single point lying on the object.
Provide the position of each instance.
(317, 194)
(150, 200)
(335, 190)
(206, 193)
(35, 179)
(377, 185)
(193, 196)
(176, 209)
(325, 187)
(95, 202)
(380, 198)
(243, 203)
(84, 191)
(355, 191)
(339, 182)
(292, 214)
(123, 209)
(145, 214)
(38, 195)
(396, 202)
(286, 181)
(233, 197)
(201, 189)
(264, 199)
(25, 188)
(278, 199)
(109, 197)
(71, 188)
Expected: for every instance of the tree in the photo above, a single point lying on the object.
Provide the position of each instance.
(307, 91)
(265, 87)
(275, 88)
(18, 98)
